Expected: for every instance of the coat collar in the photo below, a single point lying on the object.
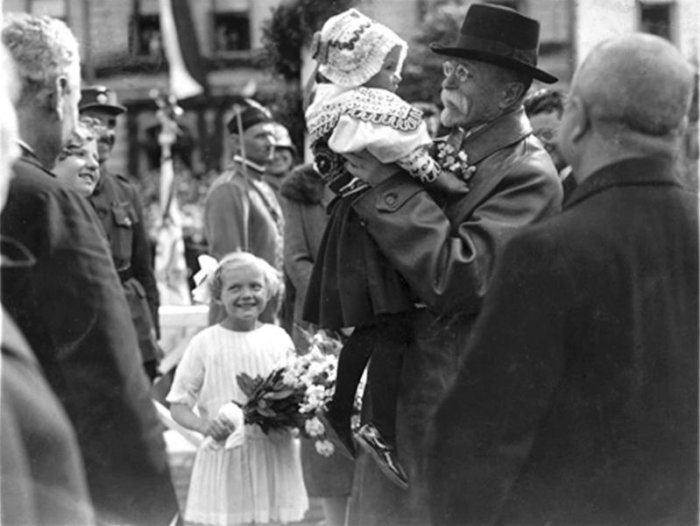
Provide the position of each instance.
(507, 129)
(27, 154)
(637, 171)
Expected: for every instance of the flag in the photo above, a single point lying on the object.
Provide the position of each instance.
(187, 72)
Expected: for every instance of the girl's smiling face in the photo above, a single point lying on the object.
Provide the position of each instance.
(78, 167)
(243, 296)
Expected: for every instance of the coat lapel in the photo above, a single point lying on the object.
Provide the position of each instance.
(505, 131)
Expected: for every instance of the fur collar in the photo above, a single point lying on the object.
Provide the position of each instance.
(303, 185)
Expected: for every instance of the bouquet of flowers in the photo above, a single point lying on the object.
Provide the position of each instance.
(293, 395)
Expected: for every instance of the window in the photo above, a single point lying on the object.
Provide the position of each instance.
(53, 8)
(656, 18)
(147, 41)
(231, 32)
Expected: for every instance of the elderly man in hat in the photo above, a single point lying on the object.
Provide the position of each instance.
(241, 210)
(118, 206)
(67, 299)
(446, 248)
(577, 400)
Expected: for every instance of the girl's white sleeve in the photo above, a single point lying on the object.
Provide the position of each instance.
(387, 144)
(189, 375)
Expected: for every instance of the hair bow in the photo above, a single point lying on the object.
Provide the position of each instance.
(207, 267)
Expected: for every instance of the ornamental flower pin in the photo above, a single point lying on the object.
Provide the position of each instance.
(454, 161)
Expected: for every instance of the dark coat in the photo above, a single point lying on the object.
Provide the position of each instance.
(119, 208)
(303, 198)
(446, 251)
(577, 403)
(43, 480)
(71, 307)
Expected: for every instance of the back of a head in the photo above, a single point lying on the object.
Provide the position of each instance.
(638, 81)
(9, 149)
(43, 48)
(351, 48)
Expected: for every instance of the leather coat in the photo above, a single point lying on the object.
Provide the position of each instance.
(446, 251)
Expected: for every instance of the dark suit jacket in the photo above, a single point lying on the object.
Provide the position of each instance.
(43, 480)
(71, 308)
(577, 402)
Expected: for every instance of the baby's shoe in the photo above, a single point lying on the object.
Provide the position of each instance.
(383, 453)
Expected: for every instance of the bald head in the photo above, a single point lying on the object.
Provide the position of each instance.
(639, 81)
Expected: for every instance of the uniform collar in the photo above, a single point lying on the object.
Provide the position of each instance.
(249, 164)
(629, 172)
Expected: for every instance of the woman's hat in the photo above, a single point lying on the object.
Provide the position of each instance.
(500, 36)
(350, 48)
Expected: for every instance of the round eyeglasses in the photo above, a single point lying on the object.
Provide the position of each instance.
(460, 70)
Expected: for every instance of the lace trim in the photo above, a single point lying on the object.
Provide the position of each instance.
(367, 105)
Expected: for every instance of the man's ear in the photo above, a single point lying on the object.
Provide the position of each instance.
(580, 118)
(54, 97)
(512, 93)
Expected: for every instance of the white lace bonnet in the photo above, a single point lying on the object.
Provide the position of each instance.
(350, 48)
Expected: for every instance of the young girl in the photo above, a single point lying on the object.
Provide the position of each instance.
(352, 284)
(260, 481)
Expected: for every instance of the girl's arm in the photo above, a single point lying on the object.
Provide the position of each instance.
(217, 428)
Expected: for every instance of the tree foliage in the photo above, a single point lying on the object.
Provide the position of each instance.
(422, 72)
(291, 27)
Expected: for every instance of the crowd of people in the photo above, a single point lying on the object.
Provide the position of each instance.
(523, 286)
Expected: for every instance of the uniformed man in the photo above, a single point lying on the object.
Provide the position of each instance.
(118, 206)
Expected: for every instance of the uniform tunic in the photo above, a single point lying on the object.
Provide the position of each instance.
(117, 205)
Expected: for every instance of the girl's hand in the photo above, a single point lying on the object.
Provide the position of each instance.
(219, 429)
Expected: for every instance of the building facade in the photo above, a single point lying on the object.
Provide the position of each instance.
(121, 48)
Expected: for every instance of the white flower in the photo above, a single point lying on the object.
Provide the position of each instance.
(314, 427)
(324, 447)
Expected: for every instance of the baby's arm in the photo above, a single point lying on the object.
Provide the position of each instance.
(420, 165)
(219, 428)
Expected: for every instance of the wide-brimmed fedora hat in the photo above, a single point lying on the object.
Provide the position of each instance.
(500, 36)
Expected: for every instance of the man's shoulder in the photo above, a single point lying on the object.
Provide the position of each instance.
(226, 186)
(33, 182)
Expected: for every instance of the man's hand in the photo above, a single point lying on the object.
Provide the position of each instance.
(367, 168)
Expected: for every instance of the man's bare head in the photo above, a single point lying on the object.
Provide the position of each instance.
(639, 81)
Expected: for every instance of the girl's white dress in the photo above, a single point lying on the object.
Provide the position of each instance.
(262, 480)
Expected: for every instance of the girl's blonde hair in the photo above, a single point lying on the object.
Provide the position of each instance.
(271, 276)
(86, 130)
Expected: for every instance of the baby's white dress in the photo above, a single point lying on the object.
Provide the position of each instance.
(262, 480)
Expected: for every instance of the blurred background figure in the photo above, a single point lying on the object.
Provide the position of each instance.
(119, 208)
(43, 479)
(544, 108)
(284, 158)
(304, 198)
(241, 211)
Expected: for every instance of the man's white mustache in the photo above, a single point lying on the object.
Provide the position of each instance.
(451, 97)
